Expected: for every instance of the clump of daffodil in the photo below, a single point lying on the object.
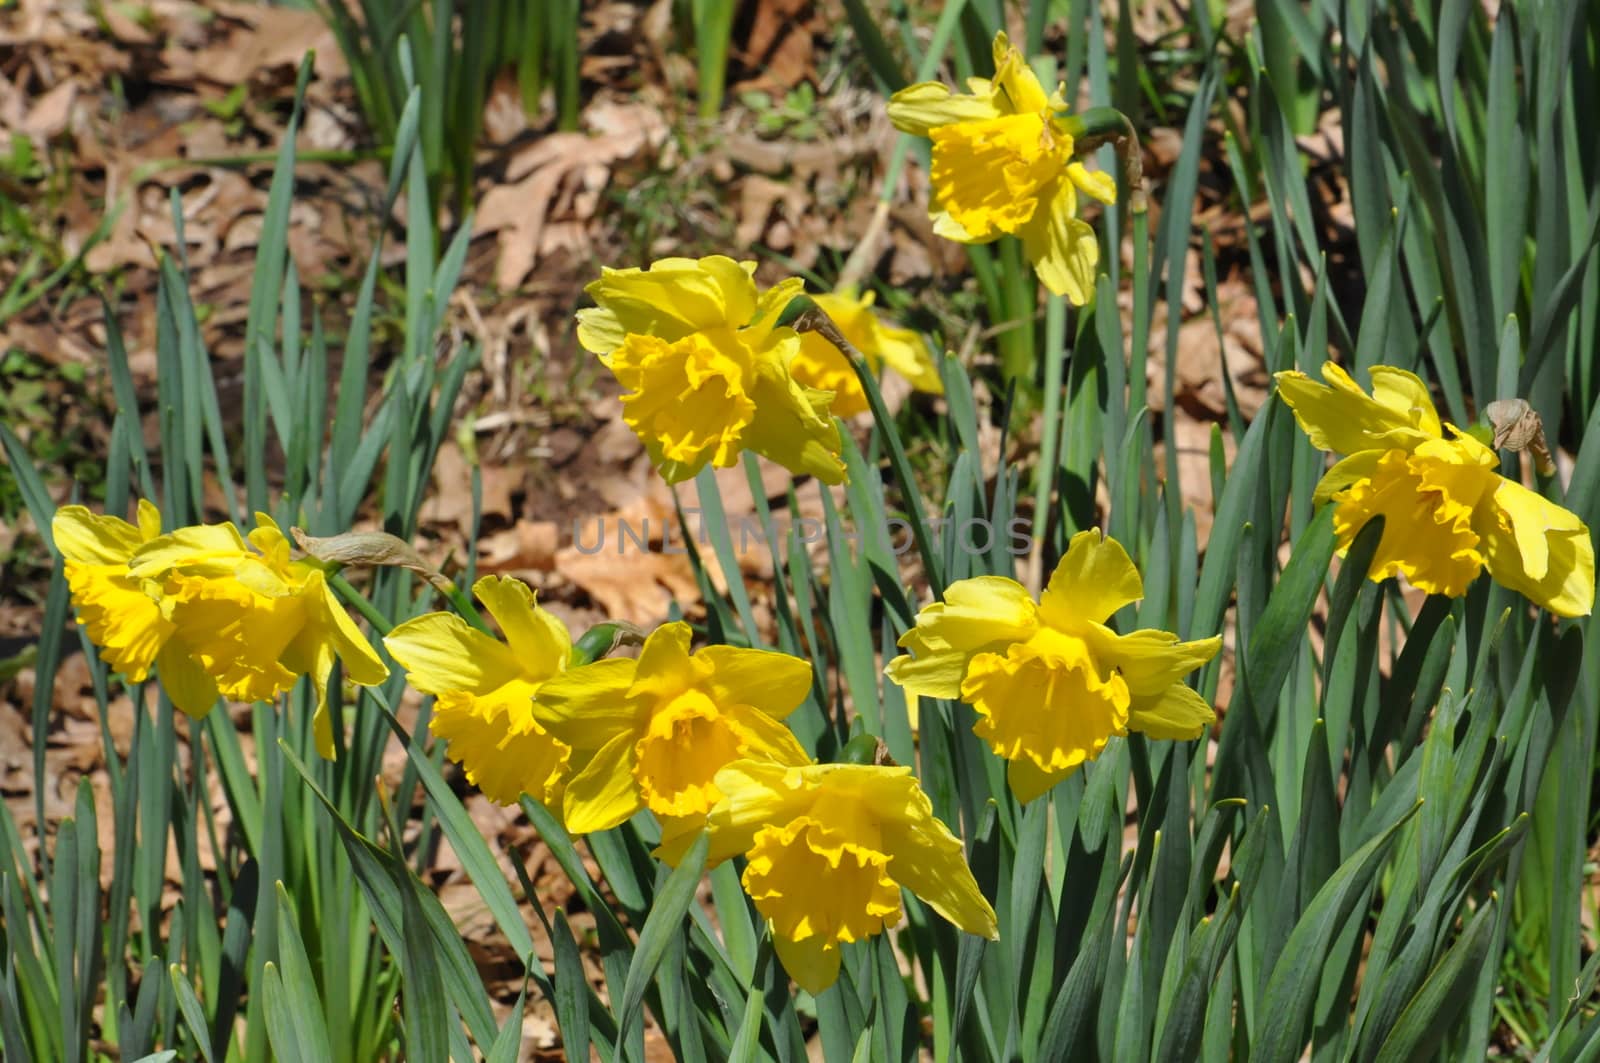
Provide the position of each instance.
(1050, 681)
(485, 690)
(1448, 513)
(1003, 165)
(821, 365)
(655, 731)
(706, 367)
(829, 847)
(219, 613)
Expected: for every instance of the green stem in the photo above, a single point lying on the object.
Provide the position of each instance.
(1055, 342)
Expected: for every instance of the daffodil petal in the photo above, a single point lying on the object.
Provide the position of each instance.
(125, 622)
(793, 424)
(1096, 183)
(604, 793)
(328, 621)
(1062, 247)
(984, 614)
(1176, 713)
(587, 706)
(187, 685)
(820, 366)
(149, 520)
(1150, 661)
(1404, 394)
(678, 834)
(600, 331)
(904, 351)
(1014, 80)
(768, 739)
(920, 108)
(1340, 417)
(1539, 549)
(674, 297)
(775, 683)
(440, 653)
(1093, 579)
(945, 225)
(769, 308)
(813, 963)
(879, 342)
(93, 539)
(665, 667)
(927, 859)
(539, 641)
(212, 550)
(754, 794)
(1362, 465)
(1028, 781)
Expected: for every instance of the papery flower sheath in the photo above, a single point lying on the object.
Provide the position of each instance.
(705, 367)
(1050, 681)
(485, 690)
(821, 365)
(1003, 165)
(655, 731)
(1448, 513)
(829, 847)
(251, 621)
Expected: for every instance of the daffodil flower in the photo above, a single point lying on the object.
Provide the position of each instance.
(250, 620)
(821, 365)
(1050, 681)
(655, 731)
(1002, 165)
(706, 369)
(1448, 513)
(829, 848)
(485, 690)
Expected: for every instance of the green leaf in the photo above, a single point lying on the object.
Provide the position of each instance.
(1291, 989)
(299, 1003)
(194, 1015)
(1435, 1010)
(665, 921)
(464, 837)
(572, 990)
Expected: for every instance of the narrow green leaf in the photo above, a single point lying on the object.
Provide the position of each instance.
(665, 920)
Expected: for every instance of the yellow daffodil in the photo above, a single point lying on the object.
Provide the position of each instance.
(1050, 681)
(821, 365)
(251, 620)
(485, 690)
(118, 611)
(829, 848)
(1002, 165)
(706, 369)
(655, 731)
(1448, 513)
